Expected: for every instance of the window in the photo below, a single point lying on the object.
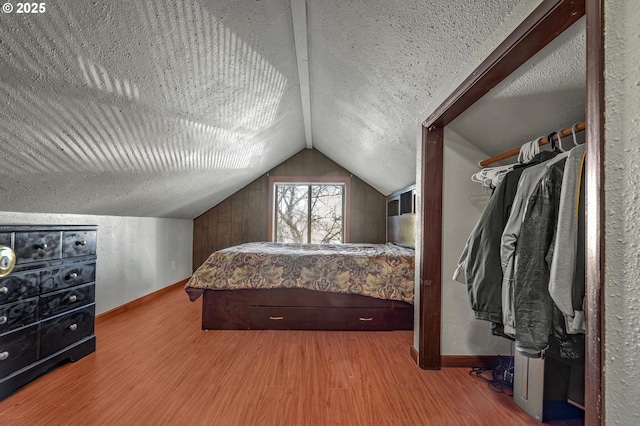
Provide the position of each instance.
(309, 212)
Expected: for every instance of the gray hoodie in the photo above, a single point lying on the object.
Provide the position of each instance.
(564, 283)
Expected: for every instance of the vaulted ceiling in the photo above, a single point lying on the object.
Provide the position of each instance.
(164, 108)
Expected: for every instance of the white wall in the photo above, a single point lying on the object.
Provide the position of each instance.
(463, 204)
(622, 215)
(134, 253)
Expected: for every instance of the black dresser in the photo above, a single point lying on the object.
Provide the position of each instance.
(47, 303)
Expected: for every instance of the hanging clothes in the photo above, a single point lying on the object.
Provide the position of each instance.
(566, 280)
(526, 185)
(479, 266)
(534, 228)
(533, 306)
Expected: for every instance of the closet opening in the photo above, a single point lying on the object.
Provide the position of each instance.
(526, 41)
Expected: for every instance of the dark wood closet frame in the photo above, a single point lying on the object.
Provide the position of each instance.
(544, 24)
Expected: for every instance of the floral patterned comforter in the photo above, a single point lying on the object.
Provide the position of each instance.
(384, 271)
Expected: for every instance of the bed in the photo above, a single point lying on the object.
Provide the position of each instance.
(306, 287)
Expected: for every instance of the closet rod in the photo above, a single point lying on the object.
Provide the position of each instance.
(542, 141)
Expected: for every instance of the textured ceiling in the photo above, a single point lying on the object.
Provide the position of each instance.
(165, 108)
(144, 108)
(544, 95)
(375, 68)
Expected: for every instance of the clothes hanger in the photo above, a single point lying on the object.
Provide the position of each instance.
(573, 134)
(490, 177)
(554, 145)
(528, 150)
(560, 141)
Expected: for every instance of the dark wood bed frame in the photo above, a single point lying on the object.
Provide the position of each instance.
(301, 309)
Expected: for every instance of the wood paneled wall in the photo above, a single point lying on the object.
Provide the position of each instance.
(243, 217)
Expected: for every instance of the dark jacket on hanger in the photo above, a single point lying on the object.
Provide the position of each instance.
(534, 252)
(479, 266)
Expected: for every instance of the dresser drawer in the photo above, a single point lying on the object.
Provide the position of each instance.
(78, 243)
(18, 314)
(37, 246)
(60, 331)
(19, 286)
(67, 299)
(18, 349)
(67, 276)
(309, 318)
(5, 239)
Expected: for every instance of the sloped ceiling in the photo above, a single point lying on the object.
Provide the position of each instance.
(164, 108)
(544, 95)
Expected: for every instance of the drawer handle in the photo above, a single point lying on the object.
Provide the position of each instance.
(3, 319)
(73, 327)
(4, 355)
(72, 298)
(81, 243)
(276, 318)
(4, 290)
(42, 246)
(71, 276)
(7, 260)
(366, 319)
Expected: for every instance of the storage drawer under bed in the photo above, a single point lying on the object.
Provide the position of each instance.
(309, 318)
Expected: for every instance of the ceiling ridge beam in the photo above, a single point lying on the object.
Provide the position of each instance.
(299, 19)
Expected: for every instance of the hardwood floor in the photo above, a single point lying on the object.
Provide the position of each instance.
(154, 366)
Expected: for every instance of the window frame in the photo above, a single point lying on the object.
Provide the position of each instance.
(311, 180)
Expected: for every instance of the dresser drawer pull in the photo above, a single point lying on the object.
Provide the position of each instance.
(276, 318)
(73, 327)
(3, 319)
(71, 276)
(366, 319)
(4, 290)
(7, 260)
(72, 298)
(4, 355)
(42, 246)
(81, 243)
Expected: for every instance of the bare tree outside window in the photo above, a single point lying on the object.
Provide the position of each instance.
(309, 213)
(292, 213)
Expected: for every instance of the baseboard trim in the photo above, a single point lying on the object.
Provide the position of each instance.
(137, 302)
(469, 361)
(414, 354)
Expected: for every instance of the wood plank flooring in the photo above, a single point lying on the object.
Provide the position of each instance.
(154, 366)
